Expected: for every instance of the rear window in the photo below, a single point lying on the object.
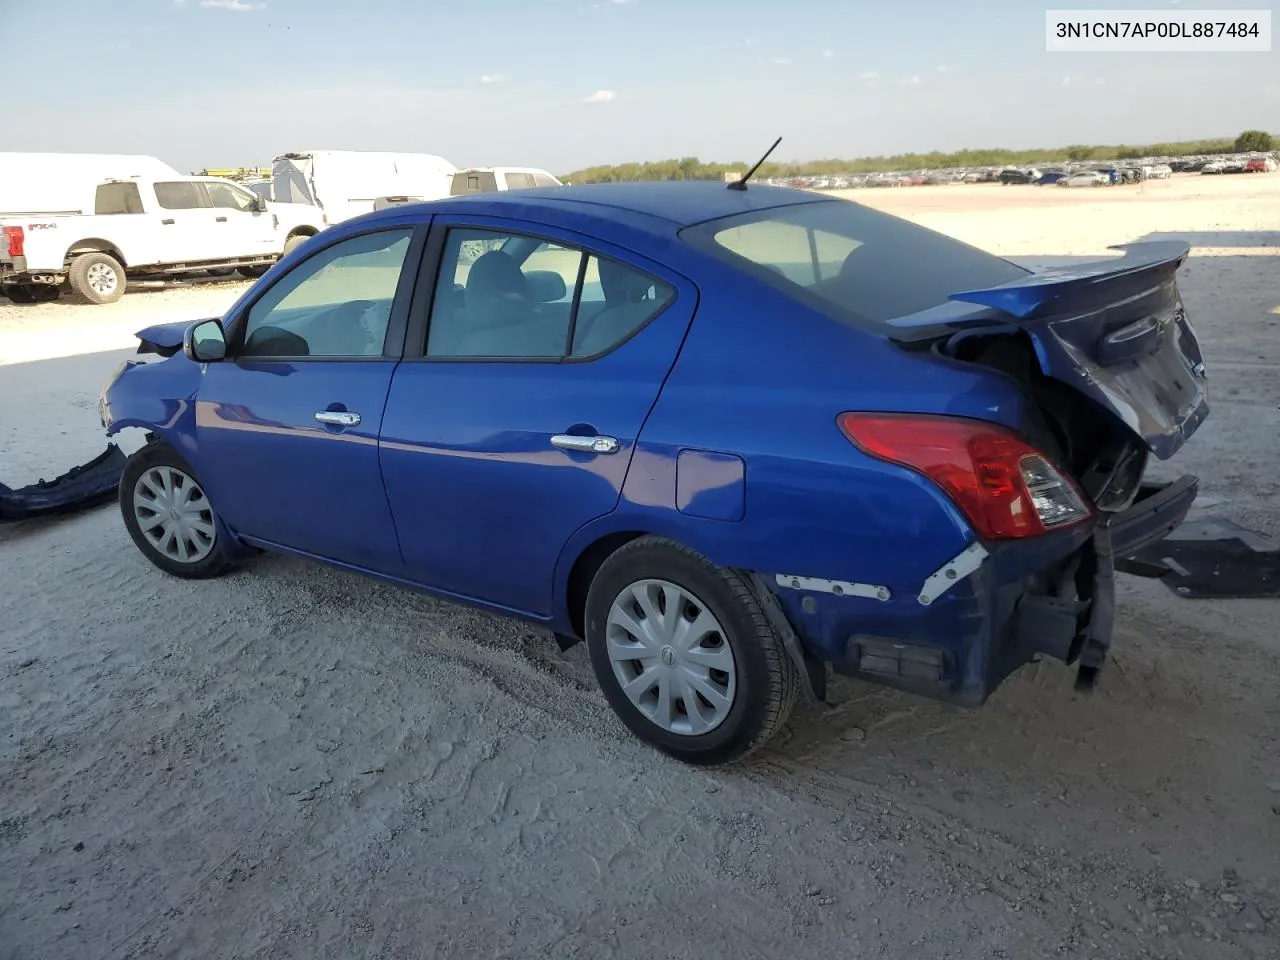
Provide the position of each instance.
(179, 195)
(464, 183)
(851, 262)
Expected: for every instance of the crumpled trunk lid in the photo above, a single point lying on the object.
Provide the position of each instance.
(1116, 331)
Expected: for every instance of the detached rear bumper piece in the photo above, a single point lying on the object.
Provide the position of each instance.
(83, 486)
(1052, 596)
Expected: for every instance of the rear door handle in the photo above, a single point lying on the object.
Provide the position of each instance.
(338, 418)
(167, 223)
(222, 219)
(566, 441)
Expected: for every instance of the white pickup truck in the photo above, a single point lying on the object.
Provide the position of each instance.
(148, 228)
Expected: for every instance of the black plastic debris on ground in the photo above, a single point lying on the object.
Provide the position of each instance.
(1212, 560)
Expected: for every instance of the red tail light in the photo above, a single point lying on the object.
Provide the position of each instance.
(1006, 488)
(16, 240)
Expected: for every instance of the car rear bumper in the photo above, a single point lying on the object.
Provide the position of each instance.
(1053, 596)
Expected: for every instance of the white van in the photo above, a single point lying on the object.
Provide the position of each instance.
(346, 183)
(67, 183)
(489, 179)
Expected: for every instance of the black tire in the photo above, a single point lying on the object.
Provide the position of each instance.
(294, 242)
(90, 272)
(220, 271)
(155, 456)
(766, 680)
(252, 273)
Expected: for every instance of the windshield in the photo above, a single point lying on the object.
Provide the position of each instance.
(851, 262)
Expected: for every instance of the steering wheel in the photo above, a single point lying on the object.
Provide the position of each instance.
(343, 329)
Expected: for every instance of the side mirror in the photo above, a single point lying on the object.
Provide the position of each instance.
(204, 341)
(259, 203)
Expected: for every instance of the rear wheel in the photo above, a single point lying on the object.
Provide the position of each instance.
(294, 242)
(96, 277)
(168, 515)
(685, 655)
(252, 273)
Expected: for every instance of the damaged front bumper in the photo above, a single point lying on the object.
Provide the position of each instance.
(991, 609)
(86, 485)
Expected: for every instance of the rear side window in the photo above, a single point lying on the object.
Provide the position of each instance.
(117, 198)
(852, 262)
(545, 180)
(179, 195)
(464, 183)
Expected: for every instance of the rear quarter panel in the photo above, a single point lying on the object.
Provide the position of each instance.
(762, 378)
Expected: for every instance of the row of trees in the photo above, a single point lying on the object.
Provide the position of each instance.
(691, 168)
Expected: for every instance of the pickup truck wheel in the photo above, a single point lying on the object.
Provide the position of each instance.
(168, 515)
(294, 242)
(25, 293)
(251, 273)
(97, 277)
(685, 654)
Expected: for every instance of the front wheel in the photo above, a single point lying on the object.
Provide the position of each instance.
(685, 654)
(168, 515)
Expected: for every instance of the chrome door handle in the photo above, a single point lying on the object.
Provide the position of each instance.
(338, 418)
(222, 219)
(566, 441)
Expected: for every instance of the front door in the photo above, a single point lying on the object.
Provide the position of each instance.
(287, 426)
(510, 431)
(241, 230)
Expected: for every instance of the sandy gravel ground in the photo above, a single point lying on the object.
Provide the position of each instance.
(294, 762)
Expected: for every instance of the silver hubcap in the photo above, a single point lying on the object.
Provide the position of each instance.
(102, 278)
(671, 658)
(174, 514)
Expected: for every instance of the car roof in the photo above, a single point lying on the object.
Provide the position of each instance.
(680, 203)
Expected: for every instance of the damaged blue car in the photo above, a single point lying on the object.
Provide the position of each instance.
(731, 438)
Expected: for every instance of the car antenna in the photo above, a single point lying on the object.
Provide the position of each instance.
(742, 184)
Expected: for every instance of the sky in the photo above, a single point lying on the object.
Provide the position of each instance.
(565, 84)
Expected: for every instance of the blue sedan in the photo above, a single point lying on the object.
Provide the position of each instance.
(730, 438)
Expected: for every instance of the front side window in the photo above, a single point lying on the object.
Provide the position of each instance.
(336, 303)
(497, 298)
(519, 181)
(227, 197)
(179, 195)
(857, 264)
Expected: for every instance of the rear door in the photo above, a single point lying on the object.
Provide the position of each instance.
(186, 231)
(504, 432)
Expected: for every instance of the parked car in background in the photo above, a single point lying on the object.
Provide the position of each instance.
(487, 179)
(1019, 176)
(1049, 177)
(1085, 178)
(345, 183)
(143, 227)
(1259, 165)
(721, 435)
